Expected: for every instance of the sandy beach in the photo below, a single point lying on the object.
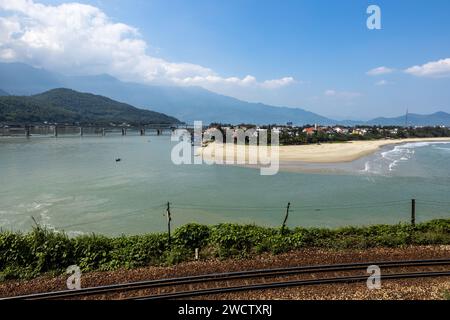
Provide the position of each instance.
(315, 153)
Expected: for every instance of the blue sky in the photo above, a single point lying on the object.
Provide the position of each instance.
(316, 53)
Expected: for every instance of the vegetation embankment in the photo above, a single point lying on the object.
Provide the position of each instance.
(42, 251)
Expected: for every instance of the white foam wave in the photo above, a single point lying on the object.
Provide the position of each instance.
(399, 153)
(388, 160)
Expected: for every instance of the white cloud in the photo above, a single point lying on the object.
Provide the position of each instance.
(77, 38)
(248, 81)
(379, 71)
(434, 69)
(277, 83)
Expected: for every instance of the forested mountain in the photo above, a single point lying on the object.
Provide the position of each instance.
(69, 106)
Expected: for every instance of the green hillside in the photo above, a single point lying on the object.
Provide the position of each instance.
(68, 106)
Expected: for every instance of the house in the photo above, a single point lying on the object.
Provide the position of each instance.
(359, 131)
(310, 131)
(327, 130)
(340, 130)
(394, 131)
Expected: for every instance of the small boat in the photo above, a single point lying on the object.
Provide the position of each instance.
(118, 160)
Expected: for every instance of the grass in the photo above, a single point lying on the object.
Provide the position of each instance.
(24, 256)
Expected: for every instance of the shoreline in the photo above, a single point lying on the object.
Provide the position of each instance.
(325, 153)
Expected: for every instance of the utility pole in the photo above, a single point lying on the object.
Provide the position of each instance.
(169, 220)
(413, 212)
(283, 227)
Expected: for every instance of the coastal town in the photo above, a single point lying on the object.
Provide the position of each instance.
(298, 135)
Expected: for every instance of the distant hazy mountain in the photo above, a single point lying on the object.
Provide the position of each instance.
(21, 79)
(3, 93)
(68, 106)
(185, 103)
(194, 103)
(435, 119)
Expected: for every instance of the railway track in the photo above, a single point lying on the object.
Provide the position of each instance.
(278, 278)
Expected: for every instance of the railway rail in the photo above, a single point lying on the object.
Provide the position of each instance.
(262, 275)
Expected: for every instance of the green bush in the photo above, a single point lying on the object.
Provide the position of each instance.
(275, 244)
(178, 254)
(237, 240)
(192, 236)
(14, 250)
(137, 251)
(42, 251)
(52, 251)
(92, 252)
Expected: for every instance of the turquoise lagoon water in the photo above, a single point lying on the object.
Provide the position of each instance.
(74, 184)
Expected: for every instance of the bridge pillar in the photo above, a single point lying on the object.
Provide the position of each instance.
(27, 131)
(142, 131)
(56, 131)
(81, 131)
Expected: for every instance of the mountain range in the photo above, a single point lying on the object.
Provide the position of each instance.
(434, 119)
(185, 103)
(69, 106)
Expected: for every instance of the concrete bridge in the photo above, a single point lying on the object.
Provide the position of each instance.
(29, 130)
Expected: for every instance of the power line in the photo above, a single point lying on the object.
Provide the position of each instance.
(304, 208)
(227, 207)
(437, 205)
(348, 207)
(434, 202)
(357, 205)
